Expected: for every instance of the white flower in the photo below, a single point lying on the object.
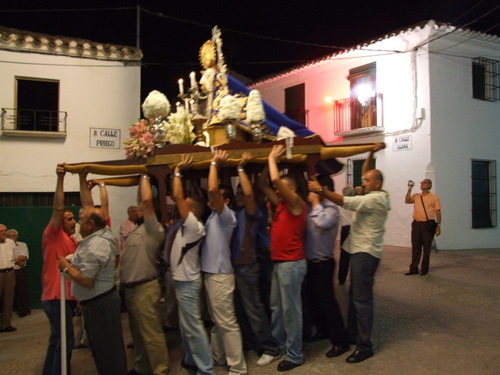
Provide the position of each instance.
(255, 108)
(229, 108)
(156, 105)
(179, 128)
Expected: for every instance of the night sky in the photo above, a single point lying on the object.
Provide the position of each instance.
(260, 37)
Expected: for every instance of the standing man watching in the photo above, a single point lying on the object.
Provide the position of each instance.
(426, 214)
(7, 278)
(57, 243)
(365, 246)
(21, 255)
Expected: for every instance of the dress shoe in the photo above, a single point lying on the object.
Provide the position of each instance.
(411, 273)
(337, 350)
(9, 329)
(359, 356)
(80, 346)
(287, 365)
(423, 273)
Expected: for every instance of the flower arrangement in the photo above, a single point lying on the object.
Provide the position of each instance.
(156, 105)
(179, 128)
(140, 144)
(255, 109)
(229, 109)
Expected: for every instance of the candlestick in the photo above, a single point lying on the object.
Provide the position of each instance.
(181, 86)
(192, 78)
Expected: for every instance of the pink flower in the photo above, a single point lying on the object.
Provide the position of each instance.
(147, 137)
(133, 131)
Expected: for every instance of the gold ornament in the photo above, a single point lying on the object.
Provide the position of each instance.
(208, 54)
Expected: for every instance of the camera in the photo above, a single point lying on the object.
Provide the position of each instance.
(411, 183)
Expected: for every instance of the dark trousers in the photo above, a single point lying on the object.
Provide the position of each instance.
(251, 311)
(52, 308)
(324, 310)
(421, 239)
(7, 287)
(360, 316)
(21, 295)
(104, 329)
(344, 255)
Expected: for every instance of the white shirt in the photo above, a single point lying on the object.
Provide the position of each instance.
(21, 249)
(367, 229)
(7, 258)
(185, 265)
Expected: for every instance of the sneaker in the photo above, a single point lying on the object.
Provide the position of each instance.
(267, 359)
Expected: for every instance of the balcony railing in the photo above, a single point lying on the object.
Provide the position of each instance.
(351, 117)
(33, 123)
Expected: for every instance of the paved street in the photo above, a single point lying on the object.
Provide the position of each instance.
(447, 322)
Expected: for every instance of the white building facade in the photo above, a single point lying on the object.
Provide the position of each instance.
(64, 100)
(432, 94)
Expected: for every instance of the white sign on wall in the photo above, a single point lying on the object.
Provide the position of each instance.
(105, 138)
(402, 143)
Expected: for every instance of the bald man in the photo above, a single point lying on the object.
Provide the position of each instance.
(365, 246)
(92, 270)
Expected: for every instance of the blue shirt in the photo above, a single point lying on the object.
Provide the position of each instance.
(321, 230)
(215, 252)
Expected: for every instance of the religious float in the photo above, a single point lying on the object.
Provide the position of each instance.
(216, 112)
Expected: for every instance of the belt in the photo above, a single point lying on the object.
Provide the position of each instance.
(99, 296)
(4, 270)
(317, 260)
(133, 284)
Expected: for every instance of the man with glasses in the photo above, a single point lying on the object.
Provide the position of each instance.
(426, 214)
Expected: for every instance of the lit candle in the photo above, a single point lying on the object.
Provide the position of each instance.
(181, 86)
(192, 77)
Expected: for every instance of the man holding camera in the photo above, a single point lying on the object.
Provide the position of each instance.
(426, 223)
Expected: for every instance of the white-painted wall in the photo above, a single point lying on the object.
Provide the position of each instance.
(463, 128)
(427, 97)
(95, 94)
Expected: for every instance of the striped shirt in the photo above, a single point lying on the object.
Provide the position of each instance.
(95, 258)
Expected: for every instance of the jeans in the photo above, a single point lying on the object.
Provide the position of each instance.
(194, 336)
(248, 297)
(52, 308)
(360, 315)
(286, 306)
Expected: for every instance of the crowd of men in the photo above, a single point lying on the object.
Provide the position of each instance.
(217, 264)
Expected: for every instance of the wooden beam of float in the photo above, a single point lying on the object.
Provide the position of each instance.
(305, 150)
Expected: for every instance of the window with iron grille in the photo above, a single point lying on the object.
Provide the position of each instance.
(355, 171)
(37, 104)
(37, 199)
(484, 198)
(486, 79)
(295, 103)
